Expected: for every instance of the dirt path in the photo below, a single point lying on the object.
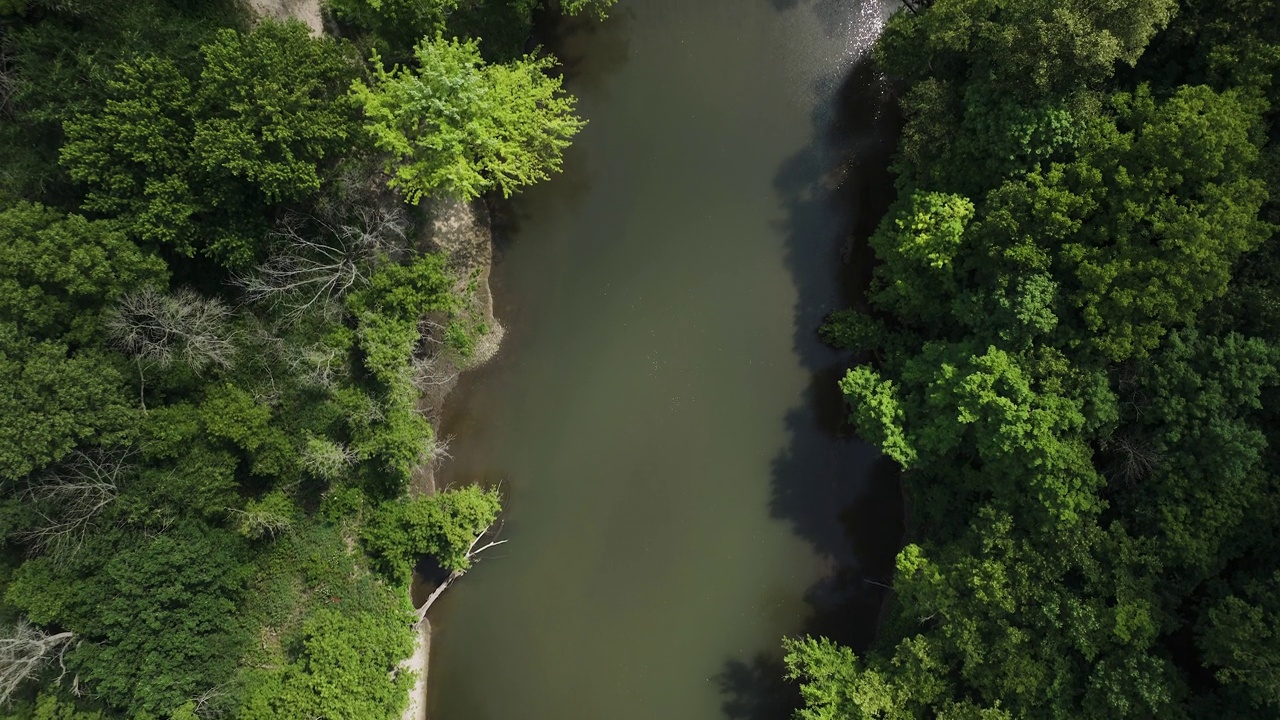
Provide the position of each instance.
(308, 11)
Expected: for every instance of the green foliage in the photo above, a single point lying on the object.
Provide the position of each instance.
(193, 485)
(401, 21)
(325, 459)
(231, 414)
(389, 309)
(457, 126)
(132, 153)
(1240, 641)
(333, 633)
(52, 707)
(272, 515)
(1200, 448)
(917, 248)
(1033, 47)
(52, 400)
(57, 273)
(1180, 206)
(443, 525)
(157, 614)
(272, 108)
(598, 9)
(341, 670)
(852, 330)
(876, 411)
(1075, 352)
(174, 156)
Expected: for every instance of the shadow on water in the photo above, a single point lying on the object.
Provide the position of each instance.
(756, 690)
(835, 490)
(589, 54)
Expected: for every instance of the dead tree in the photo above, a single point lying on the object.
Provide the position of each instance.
(157, 329)
(209, 704)
(327, 459)
(8, 74)
(1135, 458)
(24, 652)
(318, 260)
(433, 371)
(472, 555)
(319, 365)
(257, 521)
(69, 498)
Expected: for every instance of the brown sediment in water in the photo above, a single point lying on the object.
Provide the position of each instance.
(461, 231)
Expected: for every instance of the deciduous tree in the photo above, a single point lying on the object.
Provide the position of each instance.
(458, 126)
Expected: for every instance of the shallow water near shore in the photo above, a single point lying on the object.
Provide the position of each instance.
(662, 417)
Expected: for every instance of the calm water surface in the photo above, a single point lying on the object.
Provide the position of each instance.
(662, 417)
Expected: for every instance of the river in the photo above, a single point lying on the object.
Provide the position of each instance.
(662, 418)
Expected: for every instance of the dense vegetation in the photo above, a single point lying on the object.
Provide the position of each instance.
(216, 314)
(1071, 346)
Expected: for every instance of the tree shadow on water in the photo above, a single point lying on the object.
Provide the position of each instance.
(836, 491)
(756, 690)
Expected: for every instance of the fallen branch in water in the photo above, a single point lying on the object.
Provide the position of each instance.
(472, 553)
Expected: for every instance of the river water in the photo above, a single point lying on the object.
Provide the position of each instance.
(662, 418)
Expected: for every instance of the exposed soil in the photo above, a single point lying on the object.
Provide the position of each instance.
(307, 11)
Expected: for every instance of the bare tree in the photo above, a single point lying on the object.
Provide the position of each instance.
(8, 73)
(157, 329)
(69, 498)
(433, 370)
(24, 651)
(319, 365)
(210, 703)
(160, 328)
(439, 451)
(319, 259)
(327, 459)
(257, 521)
(1134, 456)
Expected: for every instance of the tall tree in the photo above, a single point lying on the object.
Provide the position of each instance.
(458, 126)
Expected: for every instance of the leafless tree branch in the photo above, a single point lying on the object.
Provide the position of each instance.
(69, 498)
(24, 651)
(8, 73)
(159, 328)
(473, 553)
(320, 259)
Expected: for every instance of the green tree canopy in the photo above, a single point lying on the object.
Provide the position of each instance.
(52, 400)
(1029, 47)
(443, 525)
(157, 614)
(272, 107)
(58, 272)
(193, 162)
(456, 125)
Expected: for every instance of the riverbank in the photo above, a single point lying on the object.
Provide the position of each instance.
(419, 664)
(461, 232)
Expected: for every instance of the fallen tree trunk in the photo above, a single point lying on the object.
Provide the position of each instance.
(472, 553)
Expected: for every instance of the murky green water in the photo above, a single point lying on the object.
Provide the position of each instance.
(662, 416)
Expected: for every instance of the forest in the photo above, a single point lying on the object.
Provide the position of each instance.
(217, 315)
(220, 310)
(1071, 348)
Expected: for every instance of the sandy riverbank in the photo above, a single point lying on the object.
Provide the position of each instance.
(418, 664)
